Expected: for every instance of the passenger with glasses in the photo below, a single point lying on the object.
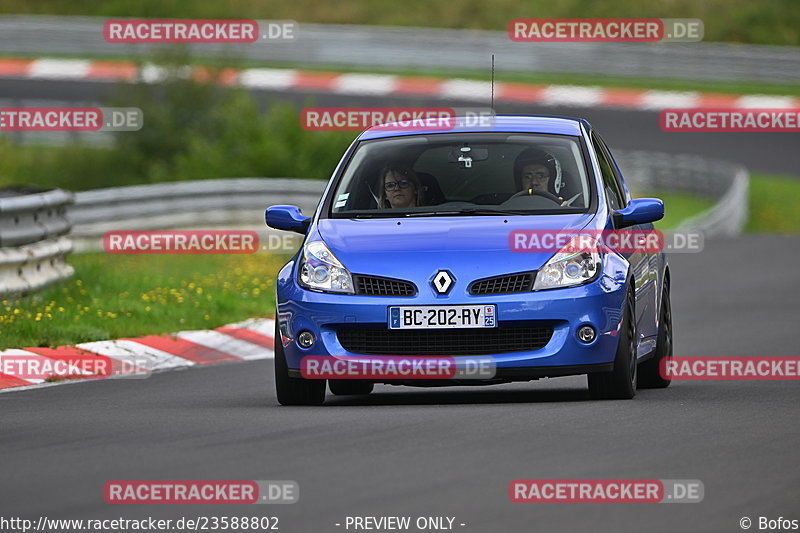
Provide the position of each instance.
(400, 188)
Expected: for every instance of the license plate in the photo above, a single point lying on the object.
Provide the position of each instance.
(443, 316)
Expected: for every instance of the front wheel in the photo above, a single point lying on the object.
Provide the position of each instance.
(649, 374)
(620, 383)
(294, 391)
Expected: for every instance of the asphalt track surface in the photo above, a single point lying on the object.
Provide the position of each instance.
(445, 452)
(451, 452)
(765, 152)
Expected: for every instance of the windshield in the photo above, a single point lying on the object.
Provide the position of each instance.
(453, 174)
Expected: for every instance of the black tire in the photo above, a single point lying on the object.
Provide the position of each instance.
(350, 387)
(649, 371)
(294, 391)
(620, 383)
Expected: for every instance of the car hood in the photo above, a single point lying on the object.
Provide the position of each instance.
(395, 247)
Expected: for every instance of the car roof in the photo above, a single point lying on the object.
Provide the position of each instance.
(502, 123)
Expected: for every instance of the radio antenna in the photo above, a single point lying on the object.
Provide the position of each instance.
(492, 82)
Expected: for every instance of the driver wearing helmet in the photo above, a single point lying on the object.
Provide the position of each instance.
(534, 169)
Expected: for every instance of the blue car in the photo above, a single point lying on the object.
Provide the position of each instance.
(419, 247)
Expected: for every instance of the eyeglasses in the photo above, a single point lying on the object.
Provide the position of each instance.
(536, 175)
(392, 185)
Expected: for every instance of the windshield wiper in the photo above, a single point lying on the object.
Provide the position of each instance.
(468, 211)
(432, 213)
(371, 215)
(485, 211)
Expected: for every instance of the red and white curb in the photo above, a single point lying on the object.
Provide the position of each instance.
(244, 341)
(391, 85)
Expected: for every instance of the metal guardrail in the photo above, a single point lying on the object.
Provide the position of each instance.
(27, 217)
(729, 215)
(235, 202)
(726, 183)
(403, 47)
(241, 202)
(33, 245)
(32, 267)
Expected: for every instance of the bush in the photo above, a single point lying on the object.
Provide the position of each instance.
(191, 131)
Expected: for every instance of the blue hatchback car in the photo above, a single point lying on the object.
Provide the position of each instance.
(409, 253)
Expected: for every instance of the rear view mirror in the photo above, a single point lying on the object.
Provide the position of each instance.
(466, 155)
(639, 211)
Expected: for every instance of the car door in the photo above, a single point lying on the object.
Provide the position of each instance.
(639, 261)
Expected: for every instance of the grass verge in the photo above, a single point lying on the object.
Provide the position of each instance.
(114, 296)
(774, 204)
(678, 206)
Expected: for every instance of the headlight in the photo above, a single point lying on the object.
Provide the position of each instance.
(571, 266)
(320, 270)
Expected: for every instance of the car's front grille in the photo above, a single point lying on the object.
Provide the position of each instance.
(473, 341)
(509, 283)
(376, 286)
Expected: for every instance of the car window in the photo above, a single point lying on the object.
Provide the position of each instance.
(614, 169)
(445, 174)
(610, 185)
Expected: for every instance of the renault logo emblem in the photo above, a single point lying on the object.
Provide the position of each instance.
(443, 282)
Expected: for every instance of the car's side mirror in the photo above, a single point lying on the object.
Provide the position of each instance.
(287, 217)
(639, 211)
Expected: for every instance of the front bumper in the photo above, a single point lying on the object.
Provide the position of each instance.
(599, 304)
